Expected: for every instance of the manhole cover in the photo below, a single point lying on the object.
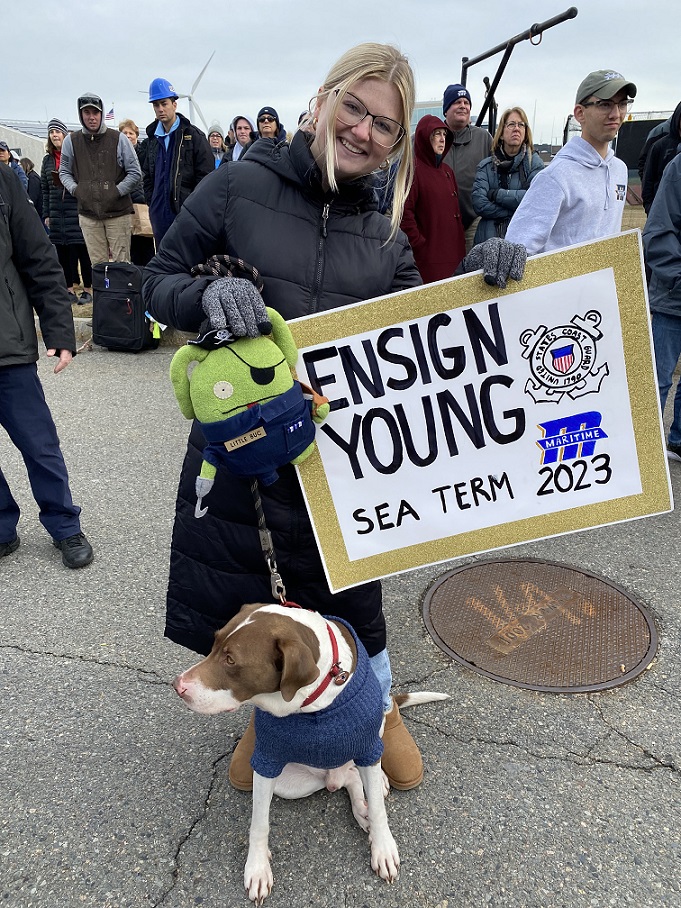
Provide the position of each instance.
(540, 625)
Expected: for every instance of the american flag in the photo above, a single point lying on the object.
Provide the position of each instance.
(109, 118)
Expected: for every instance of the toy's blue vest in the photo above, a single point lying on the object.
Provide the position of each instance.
(287, 429)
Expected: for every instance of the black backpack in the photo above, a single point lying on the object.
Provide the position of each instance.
(118, 317)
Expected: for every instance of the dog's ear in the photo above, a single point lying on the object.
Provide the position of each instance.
(299, 667)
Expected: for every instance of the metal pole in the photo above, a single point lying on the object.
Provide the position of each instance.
(533, 31)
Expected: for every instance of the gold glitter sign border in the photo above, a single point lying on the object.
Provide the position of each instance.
(621, 253)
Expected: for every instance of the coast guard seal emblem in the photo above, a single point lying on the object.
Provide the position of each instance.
(563, 359)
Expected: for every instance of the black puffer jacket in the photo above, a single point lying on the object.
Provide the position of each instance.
(315, 251)
(59, 206)
(192, 161)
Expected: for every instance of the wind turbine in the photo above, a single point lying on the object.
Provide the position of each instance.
(190, 96)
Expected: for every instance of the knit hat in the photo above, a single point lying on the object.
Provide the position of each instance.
(270, 111)
(604, 83)
(452, 94)
(215, 128)
(55, 123)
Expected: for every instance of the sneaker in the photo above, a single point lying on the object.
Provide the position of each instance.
(674, 452)
(85, 297)
(6, 548)
(76, 551)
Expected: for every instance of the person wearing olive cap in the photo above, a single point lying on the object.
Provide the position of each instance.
(580, 196)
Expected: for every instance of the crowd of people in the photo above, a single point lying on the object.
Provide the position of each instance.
(306, 210)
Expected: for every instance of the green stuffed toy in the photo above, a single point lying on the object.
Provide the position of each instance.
(251, 407)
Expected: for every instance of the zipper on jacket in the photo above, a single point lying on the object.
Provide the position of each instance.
(177, 171)
(14, 308)
(314, 300)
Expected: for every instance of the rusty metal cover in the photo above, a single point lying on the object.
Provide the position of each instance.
(540, 625)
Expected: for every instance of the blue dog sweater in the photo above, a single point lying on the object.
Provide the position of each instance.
(287, 421)
(348, 729)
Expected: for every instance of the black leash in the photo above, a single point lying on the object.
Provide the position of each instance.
(278, 588)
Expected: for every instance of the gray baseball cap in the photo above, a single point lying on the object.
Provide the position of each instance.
(604, 83)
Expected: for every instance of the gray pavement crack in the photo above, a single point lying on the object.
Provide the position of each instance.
(570, 756)
(190, 831)
(149, 677)
(580, 759)
(659, 762)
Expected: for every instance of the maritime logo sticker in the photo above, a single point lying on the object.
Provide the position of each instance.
(570, 437)
(563, 360)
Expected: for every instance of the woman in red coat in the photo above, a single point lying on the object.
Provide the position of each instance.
(431, 218)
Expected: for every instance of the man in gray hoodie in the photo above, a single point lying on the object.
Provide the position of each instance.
(100, 168)
(580, 196)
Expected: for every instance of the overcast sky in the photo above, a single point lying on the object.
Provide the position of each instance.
(277, 52)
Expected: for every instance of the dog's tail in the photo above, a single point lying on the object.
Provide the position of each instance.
(418, 697)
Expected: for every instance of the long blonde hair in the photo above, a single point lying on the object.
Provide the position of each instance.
(371, 61)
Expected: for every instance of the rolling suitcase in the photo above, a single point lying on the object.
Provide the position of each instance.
(118, 318)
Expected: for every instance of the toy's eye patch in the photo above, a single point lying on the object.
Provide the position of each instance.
(223, 390)
(264, 376)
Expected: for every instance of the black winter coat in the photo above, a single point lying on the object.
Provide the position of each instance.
(32, 281)
(35, 192)
(315, 251)
(661, 153)
(59, 206)
(192, 161)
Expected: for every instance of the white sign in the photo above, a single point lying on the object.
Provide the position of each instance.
(469, 419)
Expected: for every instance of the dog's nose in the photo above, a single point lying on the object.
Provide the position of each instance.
(180, 686)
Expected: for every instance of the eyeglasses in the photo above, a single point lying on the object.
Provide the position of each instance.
(384, 131)
(266, 120)
(604, 106)
(512, 124)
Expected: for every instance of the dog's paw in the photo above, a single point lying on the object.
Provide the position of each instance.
(258, 879)
(385, 859)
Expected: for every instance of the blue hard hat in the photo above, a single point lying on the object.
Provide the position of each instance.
(161, 88)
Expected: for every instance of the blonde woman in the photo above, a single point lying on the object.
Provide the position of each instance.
(305, 216)
(502, 180)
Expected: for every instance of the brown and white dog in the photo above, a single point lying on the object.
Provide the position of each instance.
(291, 662)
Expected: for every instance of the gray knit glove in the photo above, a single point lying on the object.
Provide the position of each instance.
(498, 260)
(234, 304)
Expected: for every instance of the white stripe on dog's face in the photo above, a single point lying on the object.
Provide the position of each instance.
(204, 699)
(250, 658)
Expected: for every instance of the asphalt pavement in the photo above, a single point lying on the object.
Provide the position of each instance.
(114, 795)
